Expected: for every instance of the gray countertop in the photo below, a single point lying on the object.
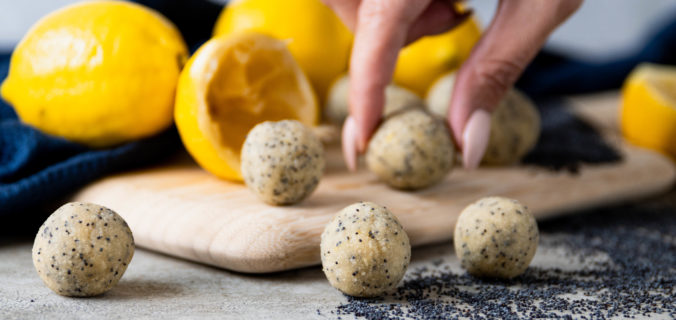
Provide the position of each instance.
(158, 286)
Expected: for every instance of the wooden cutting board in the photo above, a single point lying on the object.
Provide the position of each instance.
(181, 210)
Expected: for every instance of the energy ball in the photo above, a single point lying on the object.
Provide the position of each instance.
(439, 94)
(282, 161)
(82, 249)
(365, 251)
(515, 123)
(412, 149)
(496, 237)
(337, 106)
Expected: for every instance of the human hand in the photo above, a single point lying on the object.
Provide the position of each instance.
(382, 27)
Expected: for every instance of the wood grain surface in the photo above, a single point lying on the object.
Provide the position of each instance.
(181, 210)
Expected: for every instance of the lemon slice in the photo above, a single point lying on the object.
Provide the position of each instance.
(231, 84)
(648, 114)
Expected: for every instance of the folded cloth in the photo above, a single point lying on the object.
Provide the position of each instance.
(36, 168)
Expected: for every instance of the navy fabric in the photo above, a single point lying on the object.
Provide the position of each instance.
(552, 74)
(194, 18)
(37, 169)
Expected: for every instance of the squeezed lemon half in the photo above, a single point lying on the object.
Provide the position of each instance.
(317, 38)
(231, 84)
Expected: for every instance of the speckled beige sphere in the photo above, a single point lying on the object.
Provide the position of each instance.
(439, 94)
(336, 107)
(515, 123)
(82, 249)
(412, 149)
(515, 128)
(496, 237)
(365, 251)
(282, 162)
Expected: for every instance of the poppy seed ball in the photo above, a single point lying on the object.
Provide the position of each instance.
(515, 122)
(82, 249)
(411, 150)
(282, 162)
(336, 108)
(364, 250)
(496, 237)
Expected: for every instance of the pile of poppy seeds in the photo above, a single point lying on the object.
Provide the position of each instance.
(566, 141)
(627, 259)
(610, 262)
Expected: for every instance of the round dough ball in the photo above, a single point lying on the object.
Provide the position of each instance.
(412, 149)
(515, 123)
(82, 249)
(282, 161)
(496, 237)
(515, 127)
(336, 108)
(439, 94)
(365, 251)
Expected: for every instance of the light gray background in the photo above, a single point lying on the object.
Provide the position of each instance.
(601, 29)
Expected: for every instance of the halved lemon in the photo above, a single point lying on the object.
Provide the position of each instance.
(648, 114)
(317, 38)
(231, 84)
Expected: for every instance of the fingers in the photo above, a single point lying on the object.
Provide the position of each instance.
(517, 32)
(381, 30)
(349, 143)
(440, 16)
(346, 10)
(476, 136)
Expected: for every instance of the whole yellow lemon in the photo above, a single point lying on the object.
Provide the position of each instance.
(316, 37)
(425, 60)
(98, 73)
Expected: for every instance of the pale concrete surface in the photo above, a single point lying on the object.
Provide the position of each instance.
(161, 287)
(157, 286)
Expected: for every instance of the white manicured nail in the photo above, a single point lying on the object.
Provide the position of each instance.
(475, 138)
(350, 143)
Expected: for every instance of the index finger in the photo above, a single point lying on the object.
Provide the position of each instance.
(380, 32)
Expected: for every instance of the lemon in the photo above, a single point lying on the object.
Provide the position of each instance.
(425, 60)
(316, 37)
(231, 84)
(648, 108)
(98, 73)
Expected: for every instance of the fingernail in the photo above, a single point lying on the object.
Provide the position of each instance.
(359, 137)
(475, 138)
(349, 143)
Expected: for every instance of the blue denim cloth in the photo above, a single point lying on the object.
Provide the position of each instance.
(37, 169)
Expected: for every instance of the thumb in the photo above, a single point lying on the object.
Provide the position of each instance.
(518, 31)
